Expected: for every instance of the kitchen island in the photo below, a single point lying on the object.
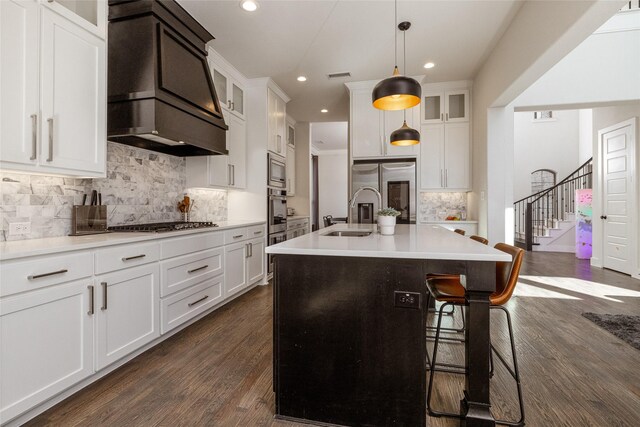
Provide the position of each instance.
(349, 323)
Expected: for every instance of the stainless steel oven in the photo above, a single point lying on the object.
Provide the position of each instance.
(277, 171)
(273, 239)
(277, 211)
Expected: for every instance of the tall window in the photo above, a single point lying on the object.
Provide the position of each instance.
(542, 179)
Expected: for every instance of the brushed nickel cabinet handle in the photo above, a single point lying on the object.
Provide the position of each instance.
(191, 304)
(53, 273)
(228, 174)
(91, 300)
(34, 137)
(233, 106)
(104, 296)
(233, 174)
(50, 121)
(257, 232)
(197, 269)
(250, 249)
(442, 117)
(129, 258)
(446, 178)
(246, 250)
(238, 236)
(447, 116)
(228, 103)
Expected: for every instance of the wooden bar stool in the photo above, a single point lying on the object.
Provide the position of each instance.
(453, 294)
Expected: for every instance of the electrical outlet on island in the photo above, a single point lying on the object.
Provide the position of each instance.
(19, 228)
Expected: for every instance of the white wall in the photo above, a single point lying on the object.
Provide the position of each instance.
(333, 189)
(544, 145)
(585, 135)
(517, 61)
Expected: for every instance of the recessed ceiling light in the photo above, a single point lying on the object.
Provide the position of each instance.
(302, 79)
(249, 5)
(429, 65)
(324, 110)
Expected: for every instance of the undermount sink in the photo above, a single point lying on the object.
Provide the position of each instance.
(348, 233)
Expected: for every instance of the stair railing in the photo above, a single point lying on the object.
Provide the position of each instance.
(536, 213)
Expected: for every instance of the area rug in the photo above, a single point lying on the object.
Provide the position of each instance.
(625, 327)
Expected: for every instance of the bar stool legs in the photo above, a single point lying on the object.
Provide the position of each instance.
(514, 372)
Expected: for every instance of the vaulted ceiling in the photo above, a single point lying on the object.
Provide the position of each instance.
(285, 39)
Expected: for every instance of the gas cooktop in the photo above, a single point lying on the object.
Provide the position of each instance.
(162, 226)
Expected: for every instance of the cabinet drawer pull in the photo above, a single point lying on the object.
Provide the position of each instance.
(129, 258)
(34, 137)
(197, 269)
(53, 273)
(257, 232)
(238, 236)
(104, 296)
(91, 300)
(447, 116)
(246, 250)
(250, 249)
(191, 304)
(50, 121)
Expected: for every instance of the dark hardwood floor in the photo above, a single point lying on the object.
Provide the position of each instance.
(217, 372)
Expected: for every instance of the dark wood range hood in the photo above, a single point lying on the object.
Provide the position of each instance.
(161, 95)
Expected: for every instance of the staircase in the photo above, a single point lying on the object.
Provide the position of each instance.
(545, 221)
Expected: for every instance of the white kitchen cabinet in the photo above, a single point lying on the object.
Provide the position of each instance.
(291, 171)
(127, 312)
(244, 260)
(220, 171)
(230, 91)
(88, 14)
(445, 106)
(53, 93)
(46, 341)
(291, 132)
(371, 128)
(276, 123)
(255, 260)
(445, 157)
(235, 267)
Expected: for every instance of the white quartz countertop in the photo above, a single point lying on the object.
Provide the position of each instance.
(451, 222)
(409, 242)
(49, 245)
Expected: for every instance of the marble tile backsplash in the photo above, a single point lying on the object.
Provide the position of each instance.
(141, 186)
(438, 206)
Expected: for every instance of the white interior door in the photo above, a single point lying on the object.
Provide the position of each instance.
(618, 167)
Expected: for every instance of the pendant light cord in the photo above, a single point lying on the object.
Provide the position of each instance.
(404, 65)
(395, 32)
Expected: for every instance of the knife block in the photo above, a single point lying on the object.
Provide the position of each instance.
(89, 220)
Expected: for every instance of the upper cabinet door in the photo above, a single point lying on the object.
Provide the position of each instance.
(457, 152)
(366, 132)
(73, 97)
(237, 146)
(457, 106)
(432, 107)
(220, 82)
(237, 100)
(19, 104)
(89, 14)
(432, 157)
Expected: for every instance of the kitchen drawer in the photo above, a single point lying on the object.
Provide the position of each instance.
(38, 272)
(180, 273)
(125, 256)
(179, 308)
(236, 235)
(256, 231)
(194, 243)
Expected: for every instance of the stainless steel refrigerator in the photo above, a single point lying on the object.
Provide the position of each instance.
(396, 181)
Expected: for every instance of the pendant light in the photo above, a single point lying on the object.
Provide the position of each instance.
(405, 135)
(397, 92)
